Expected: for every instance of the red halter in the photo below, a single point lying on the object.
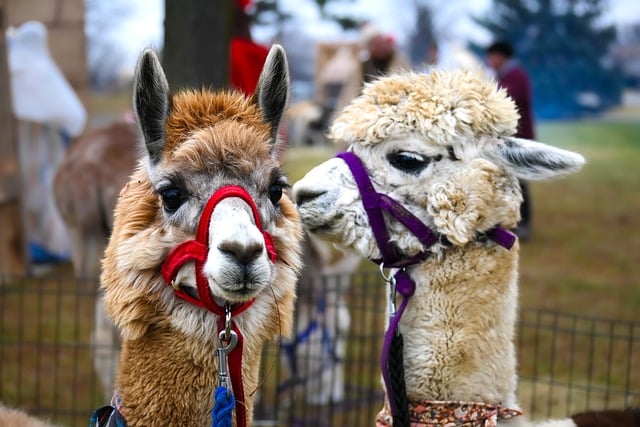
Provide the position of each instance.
(196, 250)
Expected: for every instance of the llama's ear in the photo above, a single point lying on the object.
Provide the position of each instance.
(151, 102)
(531, 160)
(272, 91)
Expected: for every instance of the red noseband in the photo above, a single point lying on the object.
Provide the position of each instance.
(196, 250)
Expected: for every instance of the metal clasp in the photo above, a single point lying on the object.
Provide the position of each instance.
(226, 343)
(391, 281)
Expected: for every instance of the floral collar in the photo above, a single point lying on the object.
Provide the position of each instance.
(450, 414)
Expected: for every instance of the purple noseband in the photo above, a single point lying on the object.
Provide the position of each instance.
(376, 203)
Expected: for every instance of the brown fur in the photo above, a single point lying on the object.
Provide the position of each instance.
(164, 373)
(192, 110)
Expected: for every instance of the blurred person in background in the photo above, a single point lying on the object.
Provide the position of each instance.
(380, 56)
(247, 56)
(510, 74)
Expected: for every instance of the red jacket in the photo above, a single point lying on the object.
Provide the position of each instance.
(247, 60)
(515, 80)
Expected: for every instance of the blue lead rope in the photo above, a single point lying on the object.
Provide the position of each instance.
(222, 412)
(107, 416)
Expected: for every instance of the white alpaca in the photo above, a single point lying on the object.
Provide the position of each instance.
(441, 145)
(210, 170)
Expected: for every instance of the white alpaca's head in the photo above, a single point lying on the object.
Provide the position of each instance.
(196, 142)
(441, 145)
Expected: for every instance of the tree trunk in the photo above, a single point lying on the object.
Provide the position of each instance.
(12, 248)
(196, 43)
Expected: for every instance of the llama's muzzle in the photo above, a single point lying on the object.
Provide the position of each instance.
(197, 249)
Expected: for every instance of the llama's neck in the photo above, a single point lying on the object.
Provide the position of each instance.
(168, 378)
(458, 327)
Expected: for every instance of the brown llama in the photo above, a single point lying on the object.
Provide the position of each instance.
(86, 188)
(210, 170)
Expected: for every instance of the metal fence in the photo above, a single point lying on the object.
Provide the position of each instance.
(327, 375)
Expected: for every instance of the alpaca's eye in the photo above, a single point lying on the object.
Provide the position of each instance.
(275, 192)
(410, 162)
(172, 199)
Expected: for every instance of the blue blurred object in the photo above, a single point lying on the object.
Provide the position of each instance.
(40, 255)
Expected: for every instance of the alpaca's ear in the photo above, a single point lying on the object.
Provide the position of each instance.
(151, 102)
(272, 91)
(531, 160)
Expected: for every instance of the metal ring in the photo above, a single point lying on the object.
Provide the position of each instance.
(384, 276)
(227, 321)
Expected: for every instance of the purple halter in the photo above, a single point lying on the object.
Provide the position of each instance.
(375, 204)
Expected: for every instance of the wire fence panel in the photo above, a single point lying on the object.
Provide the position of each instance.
(571, 363)
(45, 348)
(326, 374)
(329, 370)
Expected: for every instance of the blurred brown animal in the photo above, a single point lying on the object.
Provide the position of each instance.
(86, 188)
(608, 418)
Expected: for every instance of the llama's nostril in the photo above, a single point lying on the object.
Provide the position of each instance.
(243, 253)
(304, 195)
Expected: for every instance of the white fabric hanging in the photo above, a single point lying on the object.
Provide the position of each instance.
(39, 91)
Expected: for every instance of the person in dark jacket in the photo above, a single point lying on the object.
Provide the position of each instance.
(514, 78)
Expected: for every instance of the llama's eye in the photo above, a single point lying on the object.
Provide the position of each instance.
(409, 162)
(172, 199)
(275, 192)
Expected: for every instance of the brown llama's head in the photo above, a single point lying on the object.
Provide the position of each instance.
(194, 143)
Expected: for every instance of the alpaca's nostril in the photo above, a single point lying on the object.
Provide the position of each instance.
(243, 253)
(304, 195)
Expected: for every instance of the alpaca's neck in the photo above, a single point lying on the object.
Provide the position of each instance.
(458, 326)
(167, 378)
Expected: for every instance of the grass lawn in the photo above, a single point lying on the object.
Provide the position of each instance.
(584, 256)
